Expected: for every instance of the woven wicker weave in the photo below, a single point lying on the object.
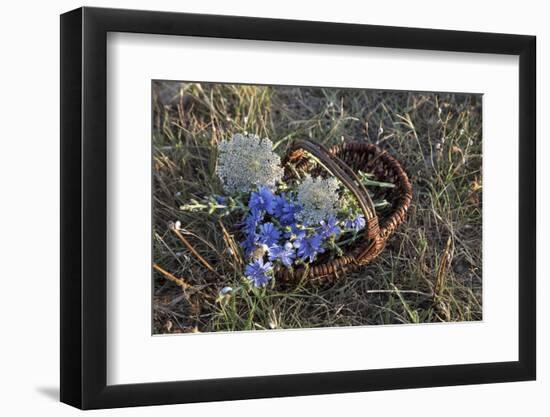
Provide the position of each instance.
(344, 161)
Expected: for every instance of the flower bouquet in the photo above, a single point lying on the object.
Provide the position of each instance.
(310, 215)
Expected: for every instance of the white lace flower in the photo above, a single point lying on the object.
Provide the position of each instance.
(318, 198)
(246, 162)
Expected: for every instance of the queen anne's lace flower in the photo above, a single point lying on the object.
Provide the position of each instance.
(246, 162)
(318, 198)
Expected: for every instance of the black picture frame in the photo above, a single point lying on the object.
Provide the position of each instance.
(84, 207)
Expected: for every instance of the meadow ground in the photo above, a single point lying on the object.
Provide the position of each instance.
(431, 268)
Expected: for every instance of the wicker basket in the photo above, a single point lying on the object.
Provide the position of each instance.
(343, 161)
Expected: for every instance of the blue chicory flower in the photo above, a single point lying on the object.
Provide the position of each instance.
(355, 224)
(250, 223)
(258, 272)
(249, 243)
(269, 234)
(330, 227)
(263, 199)
(295, 234)
(310, 246)
(285, 210)
(285, 253)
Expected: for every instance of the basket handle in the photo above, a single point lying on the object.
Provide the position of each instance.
(347, 176)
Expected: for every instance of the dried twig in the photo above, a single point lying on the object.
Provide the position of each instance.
(178, 281)
(444, 261)
(232, 246)
(425, 294)
(193, 250)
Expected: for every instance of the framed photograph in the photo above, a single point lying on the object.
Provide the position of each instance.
(258, 208)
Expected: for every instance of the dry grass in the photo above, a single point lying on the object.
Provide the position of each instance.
(430, 270)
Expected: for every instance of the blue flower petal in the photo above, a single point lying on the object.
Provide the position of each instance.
(263, 199)
(269, 234)
(286, 253)
(258, 272)
(310, 247)
(356, 224)
(330, 228)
